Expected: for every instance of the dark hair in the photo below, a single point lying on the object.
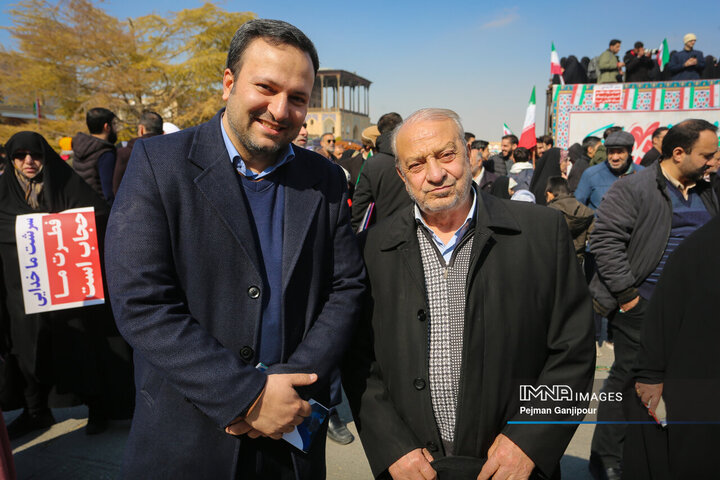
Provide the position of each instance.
(546, 139)
(275, 32)
(152, 122)
(639, 44)
(589, 142)
(468, 136)
(513, 139)
(97, 117)
(614, 41)
(610, 130)
(557, 186)
(479, 145)
(684, 135)
(658, 131)
(388, 122)
(521, 155)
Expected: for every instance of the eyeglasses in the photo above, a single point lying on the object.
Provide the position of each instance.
(330, 140)
(21, 156)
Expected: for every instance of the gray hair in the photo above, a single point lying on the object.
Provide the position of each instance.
(427, 114)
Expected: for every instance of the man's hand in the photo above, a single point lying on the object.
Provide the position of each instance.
(238, 427)
(626, 307)
(413, 466)
(506, 461)
(690, 61)
(649, 394)
(621, 64)
(279, 408)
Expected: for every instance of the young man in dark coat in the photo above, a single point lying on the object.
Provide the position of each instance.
(438, 371)
(638, 64)
(228, 248)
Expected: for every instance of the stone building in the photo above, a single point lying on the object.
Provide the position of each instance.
(340, 103)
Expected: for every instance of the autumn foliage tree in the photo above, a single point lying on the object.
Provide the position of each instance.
(73, 56)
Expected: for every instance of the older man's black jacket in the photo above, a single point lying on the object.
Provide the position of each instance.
(527, 322)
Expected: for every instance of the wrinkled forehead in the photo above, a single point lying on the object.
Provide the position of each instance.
(426, 137)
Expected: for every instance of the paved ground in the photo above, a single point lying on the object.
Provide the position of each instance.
(64, 451)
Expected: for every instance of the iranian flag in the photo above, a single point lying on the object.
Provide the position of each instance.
(663, 55)
(555, 68)
(506, 130)
(527, 137)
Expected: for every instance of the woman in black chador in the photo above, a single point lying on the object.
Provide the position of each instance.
(62, 357)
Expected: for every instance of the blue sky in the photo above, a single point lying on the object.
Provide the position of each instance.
(480, 59)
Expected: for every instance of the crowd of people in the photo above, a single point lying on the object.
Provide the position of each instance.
(639, 64)
(254, 279)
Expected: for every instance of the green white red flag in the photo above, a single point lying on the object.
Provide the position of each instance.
(555, 68)
(506, 130)
(663, 55)
(527, 137)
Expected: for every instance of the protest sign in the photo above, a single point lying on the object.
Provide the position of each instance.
(59, 260)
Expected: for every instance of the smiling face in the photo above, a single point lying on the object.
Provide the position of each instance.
(267, 100)
(433, 162)
(27, 163)
(618, 157)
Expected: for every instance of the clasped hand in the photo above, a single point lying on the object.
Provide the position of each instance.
(278, 410)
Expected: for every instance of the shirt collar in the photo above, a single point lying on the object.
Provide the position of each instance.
(676, 183)
(239, 164)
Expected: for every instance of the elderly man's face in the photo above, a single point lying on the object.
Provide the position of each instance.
(327, 142)
(268, 97)
(433, 163)
(618, 158)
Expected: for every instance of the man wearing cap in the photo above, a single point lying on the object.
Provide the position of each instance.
(688, 63)
(596, 180)
(641, 220)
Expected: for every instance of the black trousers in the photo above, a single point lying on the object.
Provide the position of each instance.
(607, 442)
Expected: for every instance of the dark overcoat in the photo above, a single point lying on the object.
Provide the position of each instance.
(527, 321)
(184, 277)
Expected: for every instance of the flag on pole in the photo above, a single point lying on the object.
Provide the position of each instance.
(36, 108)
(527, 137)
(663, 55)
(506, 130)
(555, 68)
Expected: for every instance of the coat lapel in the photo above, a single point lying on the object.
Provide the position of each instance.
(219, 185)
(404, 238)
(301, 203)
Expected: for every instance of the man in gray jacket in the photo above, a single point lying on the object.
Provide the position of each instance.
(640, 221)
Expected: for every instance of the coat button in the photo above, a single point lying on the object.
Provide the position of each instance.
(247, 353)
(419, 383)
(422, 316)
(253, 292)
(431, 446)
